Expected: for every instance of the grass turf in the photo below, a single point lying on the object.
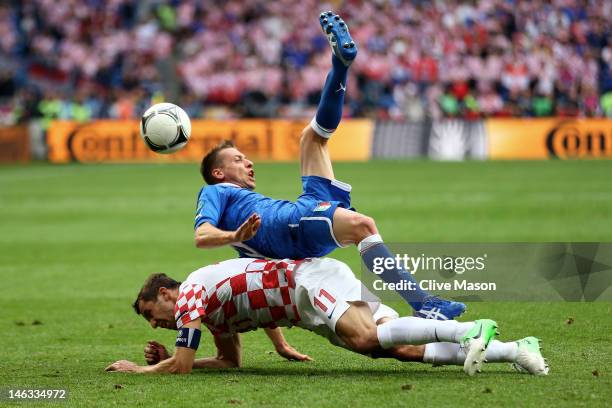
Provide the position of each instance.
(77, 242)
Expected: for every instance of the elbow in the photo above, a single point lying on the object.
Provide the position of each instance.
(237, 363)
(198, 237)
(230, 362)
(186, 370)
(200, 241)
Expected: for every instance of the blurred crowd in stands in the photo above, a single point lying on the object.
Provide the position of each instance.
(418, 59)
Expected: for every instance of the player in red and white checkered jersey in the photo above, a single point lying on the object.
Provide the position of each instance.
(321, 295)
(239, 295)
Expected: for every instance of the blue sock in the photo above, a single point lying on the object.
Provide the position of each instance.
(375, 248)
(329, 111)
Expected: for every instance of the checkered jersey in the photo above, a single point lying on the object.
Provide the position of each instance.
(239, 295)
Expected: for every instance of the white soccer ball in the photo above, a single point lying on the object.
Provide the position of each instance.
(165, 128)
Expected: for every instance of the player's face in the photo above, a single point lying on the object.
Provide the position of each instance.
(159, 313)
(237, 168)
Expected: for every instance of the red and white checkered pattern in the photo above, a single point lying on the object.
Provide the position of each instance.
(232, 297)
(189, 305)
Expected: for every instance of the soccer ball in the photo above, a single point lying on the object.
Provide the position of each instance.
(165, 128)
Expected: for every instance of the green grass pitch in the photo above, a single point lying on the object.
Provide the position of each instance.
(77, 242)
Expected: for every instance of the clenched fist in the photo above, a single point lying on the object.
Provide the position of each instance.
(155, 352)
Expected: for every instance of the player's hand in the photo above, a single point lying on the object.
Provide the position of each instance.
(292, 354)
(155, 352)
(124, 366)
(248, 229)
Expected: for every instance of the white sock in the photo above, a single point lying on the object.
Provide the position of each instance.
(368, 242)
(500, 352)
(320, 130)
(453, 354)
(443, 354)
(415, 331)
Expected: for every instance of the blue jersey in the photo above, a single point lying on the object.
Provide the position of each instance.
(289, 230)
(226, 206)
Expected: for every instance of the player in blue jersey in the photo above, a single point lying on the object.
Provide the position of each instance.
(230, 212)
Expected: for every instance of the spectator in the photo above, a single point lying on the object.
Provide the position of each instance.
(606, 104)
(449, 103)
(542, 105)
(517, 58)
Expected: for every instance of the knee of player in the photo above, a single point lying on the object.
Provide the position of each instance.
(363, 344)
(309, 137)
(363, 225)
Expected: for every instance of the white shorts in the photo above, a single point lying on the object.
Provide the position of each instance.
(323, 288)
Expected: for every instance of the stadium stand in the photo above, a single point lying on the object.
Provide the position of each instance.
(252, 58)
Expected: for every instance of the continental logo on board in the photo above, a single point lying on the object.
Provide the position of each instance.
(549, 138)
(14, 144)
(119, 141)
(569, 139)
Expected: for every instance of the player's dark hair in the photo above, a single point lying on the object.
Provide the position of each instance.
(211, 162)
(150, 289)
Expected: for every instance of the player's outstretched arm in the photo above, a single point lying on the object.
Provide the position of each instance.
(208, 236)
(181, 362)
(228, 354)
(283, 348)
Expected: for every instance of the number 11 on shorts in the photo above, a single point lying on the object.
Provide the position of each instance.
(323, 298)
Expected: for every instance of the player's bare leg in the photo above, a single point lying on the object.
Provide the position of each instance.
(403, 353)
(357, 329)
(435, 342)
(351, 227)
(314, 156)
(359, 324)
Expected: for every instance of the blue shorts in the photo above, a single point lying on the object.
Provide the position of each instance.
(312, 232)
